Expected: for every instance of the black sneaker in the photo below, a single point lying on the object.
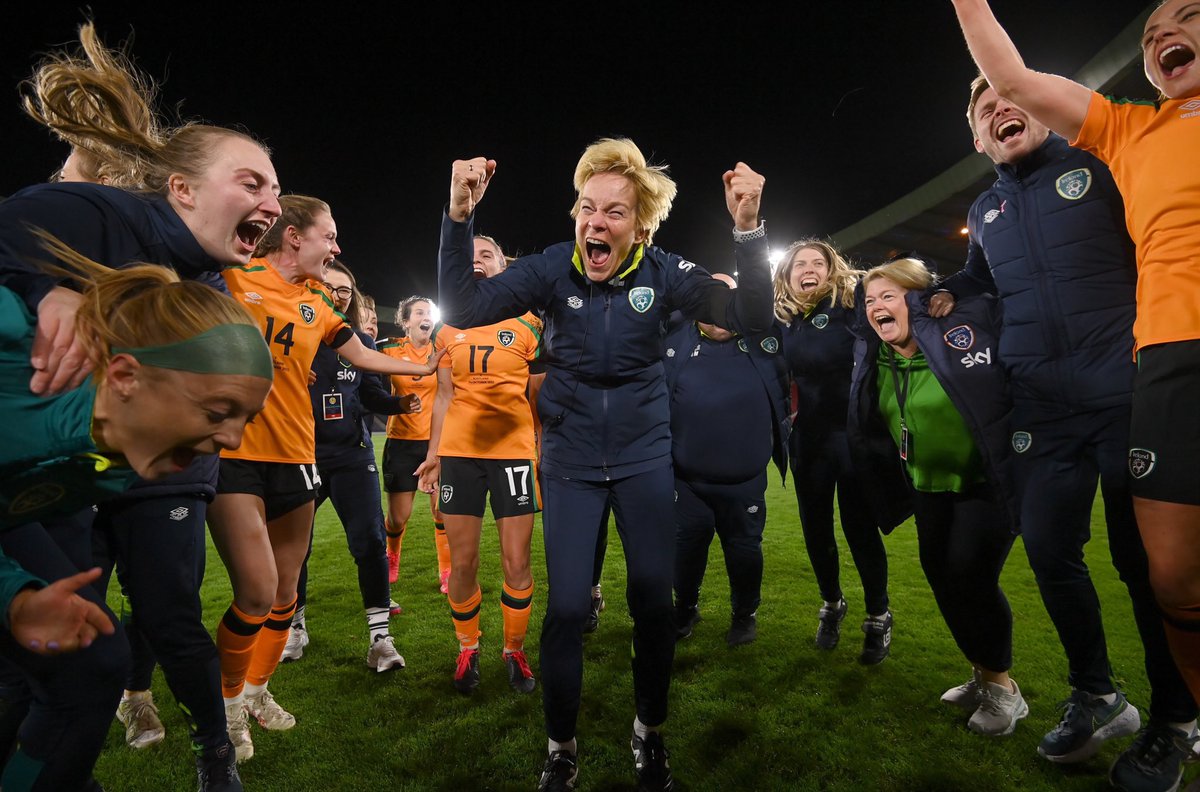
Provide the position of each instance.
(217, 770)
(466, 671)
(520, 675)
(593, 619)
(829, 624)
(1154, 762)
(650, 763)
(742, 630)
(1087, 723)
(685, 620)
(878, 643)
(559, 772)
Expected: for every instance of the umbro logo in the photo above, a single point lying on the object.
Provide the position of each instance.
(1190, 109)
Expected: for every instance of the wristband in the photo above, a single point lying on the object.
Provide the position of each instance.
(746, 236)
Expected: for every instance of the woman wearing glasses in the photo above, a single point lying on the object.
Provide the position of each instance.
(340, 395)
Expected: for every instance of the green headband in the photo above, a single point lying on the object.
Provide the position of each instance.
(224, 349)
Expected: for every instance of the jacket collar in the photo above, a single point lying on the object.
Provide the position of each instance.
(631, 263)
(1052, 148)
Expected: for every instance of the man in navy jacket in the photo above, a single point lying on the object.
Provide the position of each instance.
(729, 419)
(1049, 239)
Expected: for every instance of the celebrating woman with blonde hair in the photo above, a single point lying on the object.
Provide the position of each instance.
(179, 369)
(814, 298)
(605, 298)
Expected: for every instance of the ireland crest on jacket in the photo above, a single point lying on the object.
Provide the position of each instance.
(1073, 185)
(641, 298)
(961, 338)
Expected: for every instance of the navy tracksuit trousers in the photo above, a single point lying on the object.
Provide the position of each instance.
(74, 694)
(1057, 475)
(816, 473)
(354, 491)
(571, 517)
(737, 514)
(159, 548)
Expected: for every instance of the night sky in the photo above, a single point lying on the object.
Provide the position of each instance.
(843, 106)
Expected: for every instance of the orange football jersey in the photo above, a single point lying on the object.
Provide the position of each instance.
(294, 318)
(489, 417)
(410, 426)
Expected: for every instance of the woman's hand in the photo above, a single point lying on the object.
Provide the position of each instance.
(58, 360)
(55, 619)
(431, 365)
(941, 304)
(410, 403)
(469, 180)
(427, 474)
(743, 193)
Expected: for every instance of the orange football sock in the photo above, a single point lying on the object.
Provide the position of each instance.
(395, 538)
(466, 620)
(271, 641)
(443, 548)
(236, 636)
(516, 604)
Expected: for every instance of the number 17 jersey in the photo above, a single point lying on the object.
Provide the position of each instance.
(490, 417)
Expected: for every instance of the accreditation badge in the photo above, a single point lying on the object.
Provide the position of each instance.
(332, 406)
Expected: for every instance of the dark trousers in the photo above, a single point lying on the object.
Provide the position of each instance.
(964, 541)
(824, 467)
(159, 546)
(73, 696)
(1057, 478)
(645, 514)
(354, 491)
(142, 660)
(737, 514)
(601, 548)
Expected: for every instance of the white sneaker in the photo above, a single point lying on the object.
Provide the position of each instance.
(965, 696)
(237, 723)
(382, 656)
(999, 710)
(140, 717)
(269, 715)
(297, 640)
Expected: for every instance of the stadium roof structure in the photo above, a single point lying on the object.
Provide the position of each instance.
(931, 219)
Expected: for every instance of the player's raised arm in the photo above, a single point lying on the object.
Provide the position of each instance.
(1057, 102)
(469, 180)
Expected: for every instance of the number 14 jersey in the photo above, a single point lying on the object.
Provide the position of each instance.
(490, 417)
(294, 318)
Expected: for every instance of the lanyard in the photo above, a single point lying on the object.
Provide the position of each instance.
(901, 396)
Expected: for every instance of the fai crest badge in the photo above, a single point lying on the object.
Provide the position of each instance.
(1141, 462)
(447, 493)
(506, 337)
(961, 338)
(770, 344)
(1073, 185)
(307, 313)
(641, 298)
(1021, 441)
(742, 345)
(37, 497)
(820, 321)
